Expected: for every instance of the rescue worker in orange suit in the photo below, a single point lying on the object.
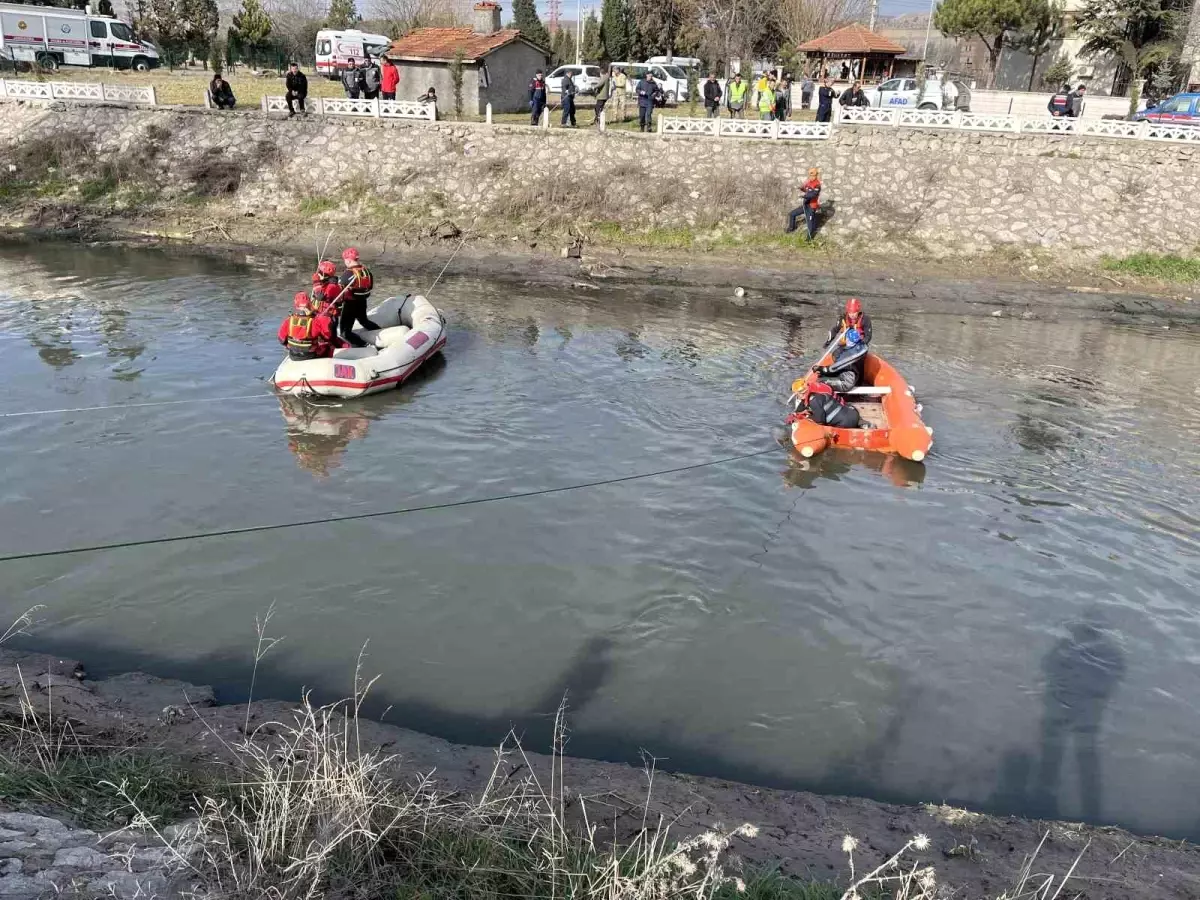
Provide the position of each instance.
(809, 206)
(306, 333)
(357, 283)
(325, 275)
(852, 337)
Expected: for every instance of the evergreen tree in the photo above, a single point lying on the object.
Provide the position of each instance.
(250, 28)
(562, 47)
(161, 21)
(992, 21)
(198, 23)
(1143, 34)
(614, 31)
(593, 47)
(342, 15)
(526, 21)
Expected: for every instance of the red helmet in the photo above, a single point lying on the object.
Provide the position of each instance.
(349, 255)
(853, 307)
(300, 302)
(327, 268)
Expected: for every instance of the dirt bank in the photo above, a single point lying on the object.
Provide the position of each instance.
(978, 286)
(976, 855)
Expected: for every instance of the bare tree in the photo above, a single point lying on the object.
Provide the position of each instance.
(736, 28)
(403, 16)
(295, 23)
(803, 20)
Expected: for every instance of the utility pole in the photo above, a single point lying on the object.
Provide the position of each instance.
(578, 31)
(928, 31)
(874, 13)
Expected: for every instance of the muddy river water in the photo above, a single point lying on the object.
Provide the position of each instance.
(1014, 626)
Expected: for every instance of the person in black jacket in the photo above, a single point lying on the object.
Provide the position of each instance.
(854, 96)
(567, 93)
(297, 89)
(712, 96)
(220, 93)
(825, 101)
(646, 91)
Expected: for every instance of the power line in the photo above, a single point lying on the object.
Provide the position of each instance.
(456, 504)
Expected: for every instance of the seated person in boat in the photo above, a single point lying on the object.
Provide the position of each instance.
(823, 406)
(845, 370)
(306, 333)
(853, 317)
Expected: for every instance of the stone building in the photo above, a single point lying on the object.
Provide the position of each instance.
(497, 63)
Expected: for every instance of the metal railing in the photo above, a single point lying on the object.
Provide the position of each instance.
(79, 91)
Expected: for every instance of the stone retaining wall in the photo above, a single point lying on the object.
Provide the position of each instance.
(941, 193)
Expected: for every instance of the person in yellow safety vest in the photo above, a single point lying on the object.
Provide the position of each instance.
(766, 101)
(735, 96)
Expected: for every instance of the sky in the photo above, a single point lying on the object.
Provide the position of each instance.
(567, 7)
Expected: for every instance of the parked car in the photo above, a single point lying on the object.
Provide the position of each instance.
(672, 79)
(1182, 109)
(586, 78)
(904, 93)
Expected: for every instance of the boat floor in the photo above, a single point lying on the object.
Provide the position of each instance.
(871, 413)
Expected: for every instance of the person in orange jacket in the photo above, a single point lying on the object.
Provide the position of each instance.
(307, 333)
(809, 205)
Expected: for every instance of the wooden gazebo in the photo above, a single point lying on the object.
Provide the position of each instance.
(875, 54)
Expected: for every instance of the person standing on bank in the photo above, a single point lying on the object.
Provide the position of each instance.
(712, 96)
(806, 92)
(371, 80)
(825, 101)
(604, 91)
(809, 205)
(646, 89)
(1075, 107)
(389, 78)
(783, 98)
(735, 95)
(350, 81)
(537, 97)
(854, 96)
(568, 101)
(297, 89)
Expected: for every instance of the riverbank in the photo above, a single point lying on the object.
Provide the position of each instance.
(674, 210)
(164, 730)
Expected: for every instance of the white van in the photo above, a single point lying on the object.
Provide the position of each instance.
(52, 37)
(336, 51)
(672, 79)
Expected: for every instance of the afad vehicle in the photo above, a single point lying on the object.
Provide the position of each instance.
(337, 51)
(53, 37)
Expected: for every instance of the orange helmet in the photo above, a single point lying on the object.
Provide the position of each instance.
(300, 302)
(349, 255)
(853, 308)
(327, 268)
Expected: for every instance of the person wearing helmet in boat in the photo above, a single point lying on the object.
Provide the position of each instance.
(306, 333)
(845, 370)
(325, 276)
(357, 283)
(853, 317)
(821, 403)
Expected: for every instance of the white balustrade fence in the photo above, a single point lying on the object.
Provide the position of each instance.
(80, 91)
(360, 108)
(787, 131)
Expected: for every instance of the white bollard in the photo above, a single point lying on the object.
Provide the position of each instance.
(487, 111)
(603, 119)
(546, 118)
(264, 101)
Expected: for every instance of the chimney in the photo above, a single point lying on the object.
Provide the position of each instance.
(487, 17)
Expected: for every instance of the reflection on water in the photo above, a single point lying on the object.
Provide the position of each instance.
(1012, 625)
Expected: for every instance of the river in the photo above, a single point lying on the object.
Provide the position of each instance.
(1013, 626)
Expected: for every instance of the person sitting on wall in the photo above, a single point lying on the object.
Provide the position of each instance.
(220, 94)
(297, 88)
(430, 97)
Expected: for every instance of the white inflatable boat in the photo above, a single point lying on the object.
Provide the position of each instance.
(412, 330)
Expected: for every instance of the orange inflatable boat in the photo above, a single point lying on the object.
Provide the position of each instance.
(884, 401)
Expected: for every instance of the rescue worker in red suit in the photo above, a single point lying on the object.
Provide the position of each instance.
(357, 282)
(325, 275)
(306, 333)
(852, 335)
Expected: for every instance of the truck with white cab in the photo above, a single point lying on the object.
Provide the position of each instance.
(51, 37)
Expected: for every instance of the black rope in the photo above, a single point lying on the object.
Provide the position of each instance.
(277, 526)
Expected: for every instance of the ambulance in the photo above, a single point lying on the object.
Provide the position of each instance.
(52, 37)
(340, 50)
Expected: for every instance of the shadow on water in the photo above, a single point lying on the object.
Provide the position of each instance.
(834, 463)
(320, 429)
(1081, 671)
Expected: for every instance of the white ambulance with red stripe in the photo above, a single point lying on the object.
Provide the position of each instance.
(337, 51)
(52, 37)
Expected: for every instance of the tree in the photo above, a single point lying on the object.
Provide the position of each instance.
(562, 47)
(989, 20)
(660, 25)
(1043, 28)
(614, 31)
(250, 29)
(1143, 34)
(803, 20)
(162, 22)
(746, 29)
(456, 81)
(198, 24)
(526, 21)
(1058, 73)
(294, 26)
(592, 49)
(342, 15)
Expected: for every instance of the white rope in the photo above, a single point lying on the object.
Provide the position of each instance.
(49, 412)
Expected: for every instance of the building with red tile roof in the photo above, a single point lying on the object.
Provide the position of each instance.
(871, 54)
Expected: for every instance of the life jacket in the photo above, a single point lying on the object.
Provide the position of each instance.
(737, 91)
(813, 184)
(301, 342)
(766, 100)
(361, 282)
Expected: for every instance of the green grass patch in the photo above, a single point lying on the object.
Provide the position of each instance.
(85, 785)
(95, 188)
(1166, 266)
(314, 206)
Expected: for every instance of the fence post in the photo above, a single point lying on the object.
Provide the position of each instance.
(1016, 120)
(774, 129)
(153, 96)
(717, 129)
(264, 102)
(895, 118)
(546, 118)
(487, 112)
(3, 89)
(375, 107)
(1143, 129)
(661, 123)
(604, 120)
